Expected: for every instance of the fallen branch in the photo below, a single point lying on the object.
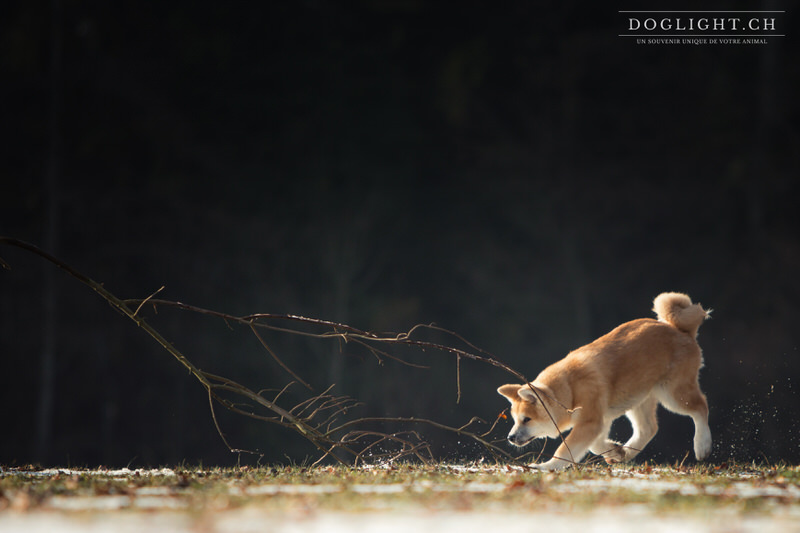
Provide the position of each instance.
(316, 417)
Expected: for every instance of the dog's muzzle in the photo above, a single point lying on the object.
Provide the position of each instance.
(516, 440)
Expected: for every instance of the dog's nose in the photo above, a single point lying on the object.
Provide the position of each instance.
(512, 438)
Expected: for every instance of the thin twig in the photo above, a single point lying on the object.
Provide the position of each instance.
(145, 300)
(278, 359)
(458, 379)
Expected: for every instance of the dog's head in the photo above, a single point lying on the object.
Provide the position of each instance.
(531, 420)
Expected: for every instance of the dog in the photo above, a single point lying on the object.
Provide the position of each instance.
(630, 370)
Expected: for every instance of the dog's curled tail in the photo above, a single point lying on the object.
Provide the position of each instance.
(677, 309)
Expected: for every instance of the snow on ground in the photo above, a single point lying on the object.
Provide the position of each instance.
(157, 509)
(252, 519)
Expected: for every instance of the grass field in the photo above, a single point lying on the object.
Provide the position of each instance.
(409, 498)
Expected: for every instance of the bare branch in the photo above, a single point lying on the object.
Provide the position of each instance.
(315, 417)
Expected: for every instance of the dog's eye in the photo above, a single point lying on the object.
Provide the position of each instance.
(526, 420)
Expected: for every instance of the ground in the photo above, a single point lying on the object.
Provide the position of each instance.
(408, 498)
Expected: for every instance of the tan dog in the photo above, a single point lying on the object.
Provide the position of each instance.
(628, 371)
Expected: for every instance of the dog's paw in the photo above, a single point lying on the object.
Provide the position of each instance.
(702, 445)
(615, 455)
(549, 466)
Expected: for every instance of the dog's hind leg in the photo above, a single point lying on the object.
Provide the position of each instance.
(688, 399)
(645, 425)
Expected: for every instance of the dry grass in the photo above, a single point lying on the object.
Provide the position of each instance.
(475, 487)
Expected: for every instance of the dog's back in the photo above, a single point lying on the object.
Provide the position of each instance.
(626, 364)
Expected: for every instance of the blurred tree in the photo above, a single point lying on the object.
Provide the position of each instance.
(50, 239)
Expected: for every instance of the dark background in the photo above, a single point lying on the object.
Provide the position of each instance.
(520, 174)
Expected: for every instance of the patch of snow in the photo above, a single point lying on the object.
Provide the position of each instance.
(606, 521)
(654, 486)
(624, 519)
(87, 503)
(154, 491)
(634, 484)
(122, 473)
(287, 489)
(159, 503)
(97, 523)
(114, 503)
(392, 488)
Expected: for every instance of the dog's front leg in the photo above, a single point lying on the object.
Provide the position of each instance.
(574, 447)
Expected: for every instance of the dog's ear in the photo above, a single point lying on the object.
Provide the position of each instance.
(510, 391)
(527, 394)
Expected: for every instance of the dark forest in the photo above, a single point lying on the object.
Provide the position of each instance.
(522, 175)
